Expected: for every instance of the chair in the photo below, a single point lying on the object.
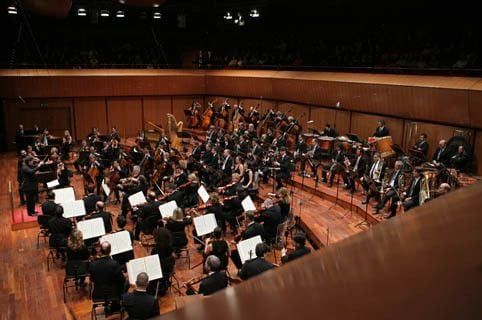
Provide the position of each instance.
(280, 235)
(44, 229)
(181, 251)
(57, 245)
(97, 302)
(74, 270)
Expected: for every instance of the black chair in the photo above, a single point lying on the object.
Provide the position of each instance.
(44, 228)
(105, 301)
(75, 270)
(57, 247)
(148, 226)
(181, 251)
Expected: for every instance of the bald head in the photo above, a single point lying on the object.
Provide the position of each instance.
(99, 205)
(105, 248)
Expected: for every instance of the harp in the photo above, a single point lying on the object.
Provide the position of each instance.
(173, 128)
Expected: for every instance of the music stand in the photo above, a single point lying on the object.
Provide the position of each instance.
(398, 149)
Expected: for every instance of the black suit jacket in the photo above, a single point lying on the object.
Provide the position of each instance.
(214, 282)
(140, 305)
(271, 218)
(254, 267)
(29, 178)
(298, 253)
(106, 274)
(49, 207)
(253, 230)
(381, 132)
(362, 165)
(414, 192)
(422, 146)
(441, 156)
(150, 209)
(228, 168)
(89, 201)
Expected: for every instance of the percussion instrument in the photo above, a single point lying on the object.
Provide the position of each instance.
(345, 142)
(326, 143)
(384, 146)
(309, 137)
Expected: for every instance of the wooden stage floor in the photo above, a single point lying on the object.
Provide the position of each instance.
(28, 290)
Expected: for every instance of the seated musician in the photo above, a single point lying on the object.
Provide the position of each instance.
(38, 147)
(177, 225)
(163, 248)
(392, 190)
(150, 209)
(217, 278)
(334, 166)
(232, 206)
(269, 137)
(279, 141)
(198, 150)
(460, 159)
(301, 148)
(216, 207)
(45, 137)
(243, 146)
(219, 247)
(284, 202)
(77, 251)
(357, 168)
(258, 265)
(313, 157)
(64, 175)
(114, 134)
(286, 165)
(411, 198)
(66, 145)
(270, 216)
(422, 145)
(373, 177)
(381, 130)
(441, 156)
(300, 249)
(49, 207)
(253, 228)
(121, 226)
(251, 132)
(211, 134)
(139, 304)
(59, 229)
(91, 199)
(108, 279)
(106, 216)
(78, 163)
(95, 164)
(256, 150)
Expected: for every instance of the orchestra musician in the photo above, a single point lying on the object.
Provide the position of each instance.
(355, 168)
(270, 216)
(313, 157)
(460, 159)
(335, 165)
(219, 247)
(381, 130)
(257, 265)
(422, 145)
(285, 164)
(411, 198)
(392, 190)
(373, 177)
(329, 131)
(20, 163)
(67, 141)
(299, 251)
(217, 278)
(114, 135)
(441, 157)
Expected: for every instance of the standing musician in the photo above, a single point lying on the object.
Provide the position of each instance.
(301, 148)
(334, 166)
(355, 168)
(29, 185)
(381, 130)
(392, 190)
(373, 177)
(329, 131)
(313, 157)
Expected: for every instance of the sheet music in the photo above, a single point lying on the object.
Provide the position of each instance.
(53, 183)
(119, 242)
(106, 188)
(247, 248)
(248, 204)
(137, 199)
(91, 228)
(74, 209)
(203, 194)
(205, 224)
(64, 195)
(167, 209)
(150, 265)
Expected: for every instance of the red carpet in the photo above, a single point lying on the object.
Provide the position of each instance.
(20, 214)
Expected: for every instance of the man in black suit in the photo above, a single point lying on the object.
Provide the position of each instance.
(357, 168)
(49, 207)
(381, 130)
(412, 196)
(109, 282)
(150, 209)
(271, 218)
(257, 150)
(329, 131)
(300, 249)
(258, 265)
(228, 162)
(391, 190)
(198, 150)
(59, 229)
(285, 164)
(253, 228)
(301, 148)
(106, 216)
(216, 280)
(20, 162)
(29, 185)
(313, 157)
(139, 304)
(422, 145)
(334, 166)
(91, 199)
(441, 156)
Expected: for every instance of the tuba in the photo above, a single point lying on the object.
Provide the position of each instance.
(424, 190)
(173, 127)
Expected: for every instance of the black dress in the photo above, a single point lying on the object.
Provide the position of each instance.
(220, 250)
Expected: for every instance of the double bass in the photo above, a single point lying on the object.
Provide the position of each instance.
(222, 118)
(207, 115)
(193, 115)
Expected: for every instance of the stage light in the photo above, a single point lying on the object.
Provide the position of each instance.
(228, 16)
(104, 13)
(239, 20)
(12, 10)
(122, 1)
(81, 12)
(254, 13)
(157, 15)
(155, 5)
(120, 14)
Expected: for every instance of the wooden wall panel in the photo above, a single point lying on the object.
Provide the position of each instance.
(364, 125)
(249, 87)
(478, 153)
(156, 110)
(179, 104)
(299, 111)
(90, 112)
(475, 107)
(322, 116)
(125, 114)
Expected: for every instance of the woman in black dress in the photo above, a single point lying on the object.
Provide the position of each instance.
(218, 246)
(77, 254)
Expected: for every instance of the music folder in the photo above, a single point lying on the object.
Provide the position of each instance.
(247, 248)
(91, 228)
(205, 224)
(119, 242)
(53, 183)
(203, 194)
(248, 204)
(150, 265)
(64, 195)
(137, 199)
(74, 209)
(167, 209)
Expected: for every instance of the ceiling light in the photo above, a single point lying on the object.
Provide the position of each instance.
(12, 10)
(228, 16)
(155, 5)
(104, 13)
(120, 14)
(254, 13)
(157, 15)
(81, 12)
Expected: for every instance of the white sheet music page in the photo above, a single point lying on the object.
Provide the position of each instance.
(134, 267)
(203, 194)
(167, 209)
(53, 183)
(64, 195)
(248, 204)
(205, 224)
(74, 209)
(153, 267)
(247, 248)
(137, 199)
(106, 188)
(91, 228)
(119, 242)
